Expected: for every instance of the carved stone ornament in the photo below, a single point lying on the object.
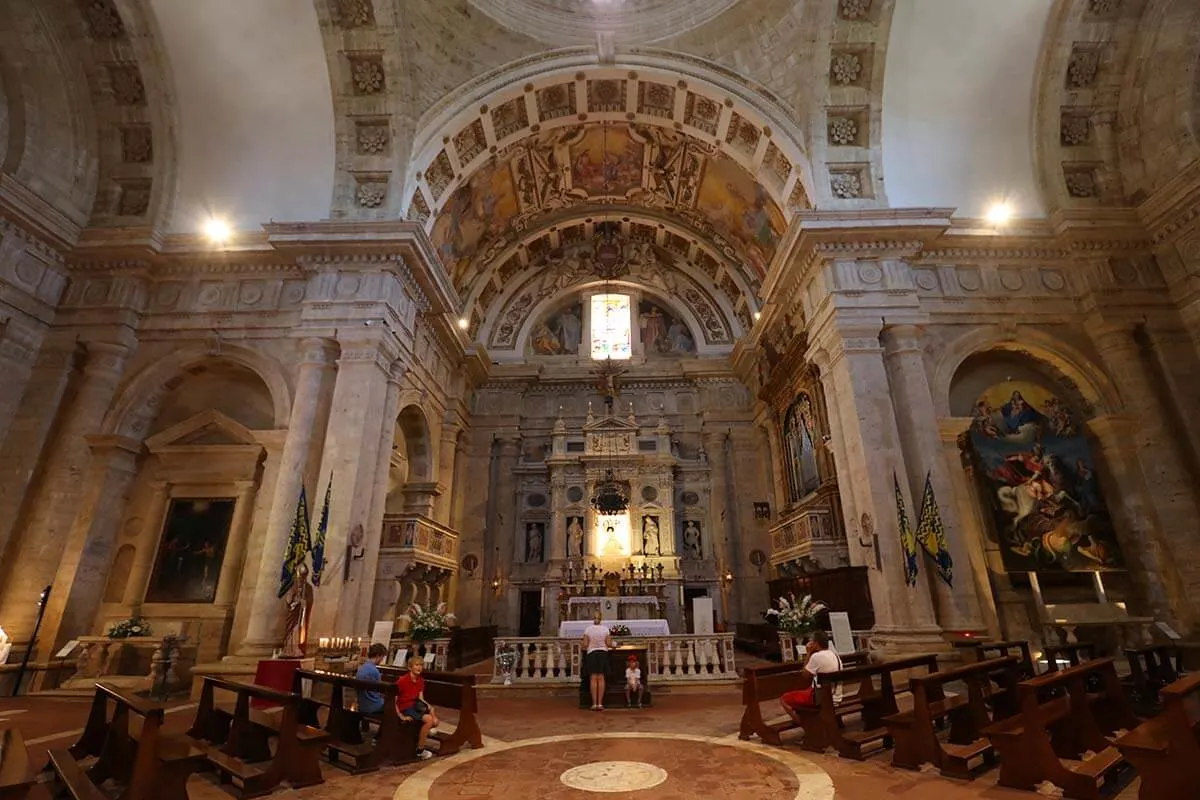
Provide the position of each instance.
(368, 75)
(135, 199)
(372, 139)
(127, 85)
(845, 68)
(1076, 130)
(1103, 8)
(854, 9)
(355, 13)
(845, 185)
(137, 145)
(103, 20)
(1081, 184)
(1082, 71)
(843, 130)
(371, 195)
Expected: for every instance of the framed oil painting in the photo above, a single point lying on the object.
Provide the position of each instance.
(191, 551)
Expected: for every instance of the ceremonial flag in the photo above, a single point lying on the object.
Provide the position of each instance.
(908, 542)
(318, 545)
(297, 546)
(932, 536)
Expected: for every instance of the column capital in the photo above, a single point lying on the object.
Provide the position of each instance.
(1111, 334)
(902, 338)
(105, 358)
(318, 350)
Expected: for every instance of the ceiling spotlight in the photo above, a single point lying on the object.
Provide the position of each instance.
(217, 230)
(463, 322)
(999, 213)
(757, 316)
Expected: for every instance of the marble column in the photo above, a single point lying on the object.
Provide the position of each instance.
(19, 344)
(235, 544)
(556, 528)
(314, 382)
(720, 532)
(1172, 493)
(147, 547)
(855, 379)
(357, 431)
(916, 421)
(89, 547)
(373, 527)
(501, 527)
(54, 500)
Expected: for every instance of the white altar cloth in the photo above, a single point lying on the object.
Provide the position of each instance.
(637, 627)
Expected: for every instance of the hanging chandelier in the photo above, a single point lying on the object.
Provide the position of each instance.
(610, 497)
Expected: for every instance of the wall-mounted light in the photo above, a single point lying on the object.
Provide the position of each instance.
(463, 322)
(999, 213)
(727, 578)
(217, 230)
(497, 585)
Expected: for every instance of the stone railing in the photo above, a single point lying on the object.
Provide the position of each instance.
(551, 660)
(439, 647)
(426, 541)
(788, 642)
(140, 662)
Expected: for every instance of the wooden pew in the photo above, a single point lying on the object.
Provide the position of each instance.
(824, 725)
(16, 777)
(760, 684)
(237, 741)
(1015, 647)
(347, 748)
(1150, 669)
(1074, 654)
(146, 763)
(1165, 750)
(1060, 721)
(449, 690)
(914, 731)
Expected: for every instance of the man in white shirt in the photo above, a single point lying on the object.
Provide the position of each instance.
(822, 658)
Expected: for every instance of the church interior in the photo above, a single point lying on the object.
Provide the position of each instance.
(465, 326)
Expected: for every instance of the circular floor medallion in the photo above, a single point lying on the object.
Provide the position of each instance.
(614, 776)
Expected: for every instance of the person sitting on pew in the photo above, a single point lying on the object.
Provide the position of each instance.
(633, 681)
(410, 702)
(371, 702)
(821, 658)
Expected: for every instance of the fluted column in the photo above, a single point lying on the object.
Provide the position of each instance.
(264, 629)
(147, 547)
(56, 497)
(235, 545)
(855, 379)
(920, 440)
(1171, 490)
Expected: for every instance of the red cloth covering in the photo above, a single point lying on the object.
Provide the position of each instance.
(277, 674)
(410, 690)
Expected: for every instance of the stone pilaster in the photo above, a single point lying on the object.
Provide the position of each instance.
(1176, 359)
(500, 522)
(53, 502)
(855, 380)
(19, 345)
(313, 384)
(718, 515)
(1171, 490)
(556, 548)
(147, 545)
(447, 458)
(916, 422)
(235, 546)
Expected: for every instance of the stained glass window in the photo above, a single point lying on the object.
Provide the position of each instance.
(612, 328)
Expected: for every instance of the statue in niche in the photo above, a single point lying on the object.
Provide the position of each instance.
(692, 548)
(612, 547)
(534, 537)
(650, 543)
(575, 537)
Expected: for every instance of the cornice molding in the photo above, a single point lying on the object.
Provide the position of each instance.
(35, 217)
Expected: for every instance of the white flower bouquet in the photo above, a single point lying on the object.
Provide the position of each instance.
(127, 628)
(431, 623)
(797, 617)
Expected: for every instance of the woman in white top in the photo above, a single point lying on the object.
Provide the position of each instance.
(597, 639)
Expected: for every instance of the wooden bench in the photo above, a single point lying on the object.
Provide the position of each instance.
(1150, 669)
(236, 740)
(915, 734)
(1165, 750)
(760, 684)
(16, 777)
(347, 747)
(449, 690)
(145, 762)
(825, 724)
(1059, 723)
(1074, 654)
(1015, 647)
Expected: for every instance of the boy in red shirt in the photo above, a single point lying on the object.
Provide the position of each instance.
(410, 703)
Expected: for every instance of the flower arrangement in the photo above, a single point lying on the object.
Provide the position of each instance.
(426, 624)
(619, 630)
(126, 628)
(797, 617)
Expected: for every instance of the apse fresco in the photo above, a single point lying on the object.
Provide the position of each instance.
(475, 212)
(663, 332)
(560, 333)
(605, 160)
(741, 210)
(1040, 482)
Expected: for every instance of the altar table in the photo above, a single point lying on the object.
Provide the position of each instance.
(637, 627)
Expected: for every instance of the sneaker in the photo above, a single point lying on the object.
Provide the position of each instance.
(424, 754)
(639, 705)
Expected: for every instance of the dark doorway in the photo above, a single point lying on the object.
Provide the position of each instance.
(531, 612)
(690, 592)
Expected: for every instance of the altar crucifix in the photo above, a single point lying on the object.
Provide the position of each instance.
(608, 383)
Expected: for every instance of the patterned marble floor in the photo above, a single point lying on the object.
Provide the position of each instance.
(531, 741)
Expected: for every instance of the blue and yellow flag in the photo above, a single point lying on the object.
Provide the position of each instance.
(297, 546)
(318, 544)
(932, 536)
(908, 542)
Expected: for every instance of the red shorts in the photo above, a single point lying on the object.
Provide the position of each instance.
(800, 698)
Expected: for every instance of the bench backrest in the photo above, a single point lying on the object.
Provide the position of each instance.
(930, 689)
(447, 689)
(14, 759)
(1181, 702)
(1097, 703)
(767, 683)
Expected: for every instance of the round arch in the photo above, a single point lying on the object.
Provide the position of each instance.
(413, 425)
(1091, 379)
(137, 401)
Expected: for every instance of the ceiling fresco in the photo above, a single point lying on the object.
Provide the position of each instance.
(619, 166)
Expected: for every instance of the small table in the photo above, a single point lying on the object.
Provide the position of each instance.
(614, 679)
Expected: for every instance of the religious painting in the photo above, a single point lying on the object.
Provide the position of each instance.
(663, 332)
(1040, 482)
(575, 543)
(560, 333)
(799, 449)
(741, 210)
(606, 160)
(191, 551)
(535, 540)
(693, 549)
(651, 546)
(476, 211)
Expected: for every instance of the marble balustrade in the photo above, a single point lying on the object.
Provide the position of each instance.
(548, 660)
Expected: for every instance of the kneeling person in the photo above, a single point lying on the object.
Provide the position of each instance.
(821, 659)
(410, 703)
